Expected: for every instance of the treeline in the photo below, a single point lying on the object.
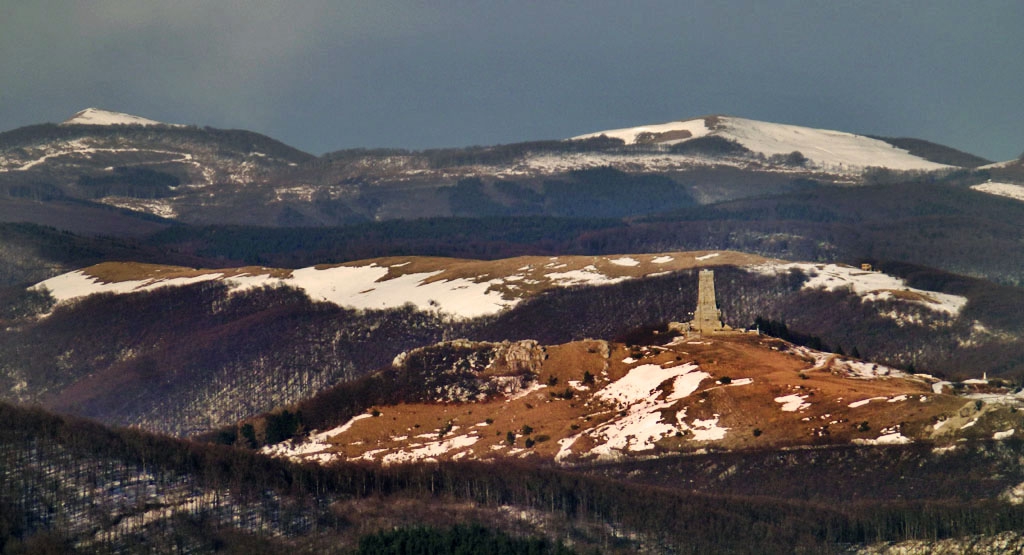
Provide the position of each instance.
(710, 145)
(32, 253)
(592, 193)
(781, 330)
(839, 475)
(489, 238)
(223, 479)
(321, 411)
(495, 155)
(426, 375)
(130, 182)
(506, 154)
(995, 305)
(939, 224)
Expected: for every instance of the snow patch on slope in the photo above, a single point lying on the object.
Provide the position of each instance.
(1008, 190)
(637, 393)
(78, 284)
(315, 444)
(360, 287)
(792, 403)
(429, 451)
(890, 438)
(588, 275)
(625, 261)
(869, 285)
(630, 135)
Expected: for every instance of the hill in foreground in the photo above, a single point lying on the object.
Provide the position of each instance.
(661, 395)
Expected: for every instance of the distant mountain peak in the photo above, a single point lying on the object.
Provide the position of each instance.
(97, 116)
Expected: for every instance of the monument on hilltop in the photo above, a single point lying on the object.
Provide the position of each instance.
(707, 318)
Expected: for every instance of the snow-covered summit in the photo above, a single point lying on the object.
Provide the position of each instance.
(96, 116)
(821, 146)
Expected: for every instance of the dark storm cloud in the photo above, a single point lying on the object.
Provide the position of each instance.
(325, 75)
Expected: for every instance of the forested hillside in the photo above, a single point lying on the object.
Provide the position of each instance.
(186, 360)
(71, 485)
(938, 224)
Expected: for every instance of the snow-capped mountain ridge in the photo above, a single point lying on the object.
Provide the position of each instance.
(204, 175)
(98, 116)
(821, 146)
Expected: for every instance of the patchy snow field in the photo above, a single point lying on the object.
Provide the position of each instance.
(659, 404)
(458, 288)
(73, 285)
(157, 207)
(641, 394)
(870, 285)
(483, 288)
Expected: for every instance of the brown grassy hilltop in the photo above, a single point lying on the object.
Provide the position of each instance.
(595, 400)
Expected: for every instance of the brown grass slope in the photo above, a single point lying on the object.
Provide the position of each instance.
(551, 415)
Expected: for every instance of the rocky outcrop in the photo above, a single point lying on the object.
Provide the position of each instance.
(463, 370)
(517, 357)
(506, 357)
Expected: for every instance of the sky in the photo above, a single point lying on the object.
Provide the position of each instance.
(325, 75)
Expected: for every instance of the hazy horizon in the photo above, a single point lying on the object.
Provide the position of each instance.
(327, 76)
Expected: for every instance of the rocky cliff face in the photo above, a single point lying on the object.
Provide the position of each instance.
(462, 370)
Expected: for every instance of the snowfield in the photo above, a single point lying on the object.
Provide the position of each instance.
(1008, 190)
(834, 150)
(440, 286)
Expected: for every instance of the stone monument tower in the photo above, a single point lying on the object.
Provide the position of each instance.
(707, 318)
